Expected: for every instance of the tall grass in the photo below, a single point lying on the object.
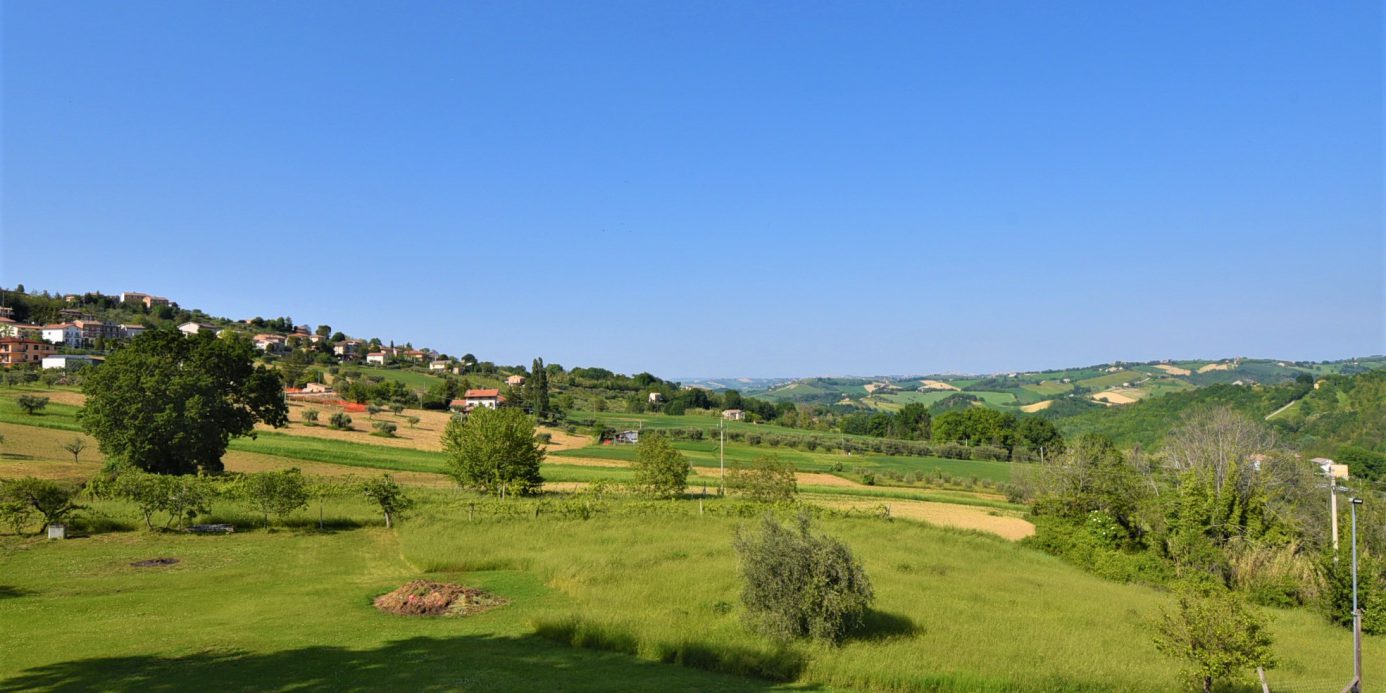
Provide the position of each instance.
(977, 613)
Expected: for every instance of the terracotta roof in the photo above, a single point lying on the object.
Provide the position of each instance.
(474, 394)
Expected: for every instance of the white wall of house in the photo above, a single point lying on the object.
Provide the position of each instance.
(67, 361)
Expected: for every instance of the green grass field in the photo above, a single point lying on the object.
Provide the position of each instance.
(704, 453)
(287, 610)
(609, 603)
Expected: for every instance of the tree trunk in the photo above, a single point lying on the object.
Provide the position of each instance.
(388, 523)
(1207, 684)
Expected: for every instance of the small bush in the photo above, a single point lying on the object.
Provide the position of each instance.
(310, 416)
(797, 584)
(385, 429)
(340, 421)
(767, 480)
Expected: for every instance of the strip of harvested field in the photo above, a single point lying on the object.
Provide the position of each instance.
(943, 514)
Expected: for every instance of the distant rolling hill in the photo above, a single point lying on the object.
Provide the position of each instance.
(1053, 392)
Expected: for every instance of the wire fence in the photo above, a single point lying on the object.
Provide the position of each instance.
(1289, 684)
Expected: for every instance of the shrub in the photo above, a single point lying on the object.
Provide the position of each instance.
(310, 416)
(797, 584)
(660, 470)
(385, 428)
(276, 493)
(413, 421)
(1371, 591)
(21, 499)
(340, 421)
(767, 480)
(1215, 634)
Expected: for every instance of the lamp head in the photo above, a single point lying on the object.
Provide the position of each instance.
(1356, 501)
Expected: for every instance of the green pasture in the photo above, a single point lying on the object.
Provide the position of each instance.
(1111, 379)
(284, 610)
(704, 453)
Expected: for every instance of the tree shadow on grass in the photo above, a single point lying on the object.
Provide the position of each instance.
(481, 663)
(7, 592)
(775, 663)
(881, 625)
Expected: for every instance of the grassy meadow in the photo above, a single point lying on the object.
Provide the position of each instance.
(606, 593)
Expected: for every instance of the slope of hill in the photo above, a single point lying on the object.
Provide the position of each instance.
(1335, 410)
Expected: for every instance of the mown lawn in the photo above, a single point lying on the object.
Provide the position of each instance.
(281, 610)
(597, 604)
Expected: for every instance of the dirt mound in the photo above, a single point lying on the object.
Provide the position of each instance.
(154, 562)
(429, 598)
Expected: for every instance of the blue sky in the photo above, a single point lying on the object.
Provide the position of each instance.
(716, 188)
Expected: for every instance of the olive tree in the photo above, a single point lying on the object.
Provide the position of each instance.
(389, 495)
(798, 584)
(21, 499)
(31, 404)
(768, 480)
(75, 447)
(276, 493)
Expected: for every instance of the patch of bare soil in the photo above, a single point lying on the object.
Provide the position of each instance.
(562, 440)
(1173, 370)
(429, 598)
(1037, 406)
(937, 385)
(154, 562)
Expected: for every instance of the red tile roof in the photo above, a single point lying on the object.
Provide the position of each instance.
(475, 394)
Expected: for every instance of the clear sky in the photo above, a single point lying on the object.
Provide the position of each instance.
(716, 188)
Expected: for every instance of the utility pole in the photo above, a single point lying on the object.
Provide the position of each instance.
(1356, 612)
(722, 457)
(1333, 511)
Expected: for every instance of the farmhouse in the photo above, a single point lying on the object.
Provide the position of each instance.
(70, 361)
(656, 398)
(146, 299)
(515, 380)
(734, 415)
(270, 343)
(10, 328)
(131, 331)
(377, 357)
(438, 366)
(489, 398)
(346, 349)
(64, 333)
(16, 351)
(191, 328)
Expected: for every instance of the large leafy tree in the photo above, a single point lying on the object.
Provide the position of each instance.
(169, 403)
(494, 451)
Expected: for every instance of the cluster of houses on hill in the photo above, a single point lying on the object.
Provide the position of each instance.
(27, 344)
